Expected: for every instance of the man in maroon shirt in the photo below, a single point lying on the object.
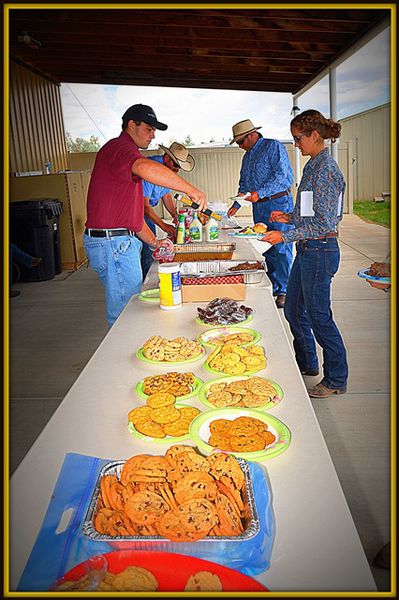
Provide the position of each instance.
(115, 207)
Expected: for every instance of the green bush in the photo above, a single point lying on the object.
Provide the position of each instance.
(373, 212)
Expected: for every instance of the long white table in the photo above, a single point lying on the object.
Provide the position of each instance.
(316, 547)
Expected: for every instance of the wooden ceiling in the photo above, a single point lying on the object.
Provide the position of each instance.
(274, 50)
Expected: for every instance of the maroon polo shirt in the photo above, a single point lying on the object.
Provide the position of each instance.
(115, 196)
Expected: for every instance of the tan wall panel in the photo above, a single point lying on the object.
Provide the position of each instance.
(36, 122)
(370, 135)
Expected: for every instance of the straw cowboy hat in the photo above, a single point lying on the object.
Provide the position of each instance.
(180, 155)
(243, 128)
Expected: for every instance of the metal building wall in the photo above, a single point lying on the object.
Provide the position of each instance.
(370, 133)
(36, 122)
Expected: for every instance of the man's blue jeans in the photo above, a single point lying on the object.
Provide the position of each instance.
(146, 251)
(116, 260)
(278, 257)
(308, 310)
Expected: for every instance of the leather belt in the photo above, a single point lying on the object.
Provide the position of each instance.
(279, 195)
(331, 234)
(101, 233)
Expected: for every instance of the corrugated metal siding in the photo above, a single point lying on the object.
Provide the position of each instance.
(370, 134)
(36, 122)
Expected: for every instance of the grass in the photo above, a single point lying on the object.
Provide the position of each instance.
(373, 212)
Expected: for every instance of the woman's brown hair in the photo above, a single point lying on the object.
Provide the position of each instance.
(309, 120)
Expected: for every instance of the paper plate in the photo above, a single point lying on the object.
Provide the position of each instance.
(241, 198)
(247, 320)
(199, 431)
(171, 570)
(249, 236)
(197, 384)
(149, 295)
(202, 394)
(364, 275)
(168, 439)
(165, 363)
(206, 337)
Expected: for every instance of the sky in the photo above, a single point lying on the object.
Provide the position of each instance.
(363, 82)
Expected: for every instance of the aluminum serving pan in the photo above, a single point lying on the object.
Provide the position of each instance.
(220, 268)
(203, 251)
(153, 542)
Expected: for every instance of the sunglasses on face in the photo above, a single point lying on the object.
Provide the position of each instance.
(297, 138)
(241, 141)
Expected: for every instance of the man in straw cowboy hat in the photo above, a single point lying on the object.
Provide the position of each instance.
(175, 157)
(267, 174)
(115, 226)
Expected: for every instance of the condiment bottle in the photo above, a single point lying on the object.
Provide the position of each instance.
(181, 229)
(196, 229)
(211, 230)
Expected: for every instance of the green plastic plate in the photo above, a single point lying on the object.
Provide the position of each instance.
(165, 363)
(221, 374)
(149, 295)
(197, 384)
(168, 439)
(203, 392)
(247, 320)
(199, 431)
(206, 338)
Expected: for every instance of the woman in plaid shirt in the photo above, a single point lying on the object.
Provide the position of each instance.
(315, 217)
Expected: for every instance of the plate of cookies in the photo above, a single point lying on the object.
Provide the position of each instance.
(244, 432)
(232, 359)
(161, 419)
(161, 351)
(181, 385)
(229, 335)
(147, 571)
(241, 391)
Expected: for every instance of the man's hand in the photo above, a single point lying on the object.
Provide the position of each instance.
(232, 211)
(273, 237)
(280, 217)
(170, 230)
(198, 197)
(254, 197)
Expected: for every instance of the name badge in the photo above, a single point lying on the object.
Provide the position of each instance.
(307, 204)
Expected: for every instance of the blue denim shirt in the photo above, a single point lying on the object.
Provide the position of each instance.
(151, 190)
(322, 176)
(265, 169)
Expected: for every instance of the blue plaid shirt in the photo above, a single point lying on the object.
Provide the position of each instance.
(151, 190)
(265, 169)
(322, 176)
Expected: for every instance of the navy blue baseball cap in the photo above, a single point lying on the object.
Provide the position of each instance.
(141, 112)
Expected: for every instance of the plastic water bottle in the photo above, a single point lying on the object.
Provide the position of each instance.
(47, 166)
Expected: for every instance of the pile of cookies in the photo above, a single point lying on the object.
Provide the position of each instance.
(181, 496)
(175, 350)
(237, 360)
(232, 338)
(131, 579)
(243, 434)
(178, 384)
(251, 393)
(160, 417)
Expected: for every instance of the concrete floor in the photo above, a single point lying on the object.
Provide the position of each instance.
(56, 325)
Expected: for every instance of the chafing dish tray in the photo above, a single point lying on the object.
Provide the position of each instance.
(203, 251)
(219, 268)
(250, 520)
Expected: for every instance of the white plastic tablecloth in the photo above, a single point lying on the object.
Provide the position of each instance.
(316, 547)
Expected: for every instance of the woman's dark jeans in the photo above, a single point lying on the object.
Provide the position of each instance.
(308, 310)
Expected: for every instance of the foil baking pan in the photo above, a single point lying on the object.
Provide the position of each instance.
(250, 520)
(220, 268)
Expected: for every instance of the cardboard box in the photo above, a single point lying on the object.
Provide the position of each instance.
(205, 293)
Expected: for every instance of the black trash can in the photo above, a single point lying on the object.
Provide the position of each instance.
(34, 227)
